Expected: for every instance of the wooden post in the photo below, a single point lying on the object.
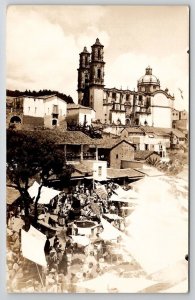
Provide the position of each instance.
(96, 153)
(81, 152)
(65, 152)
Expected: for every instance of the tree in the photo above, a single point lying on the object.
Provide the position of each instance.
(31, 154)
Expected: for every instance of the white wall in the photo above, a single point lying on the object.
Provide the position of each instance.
(48, 106)
(103, 166)
(36, 107)
(118, 115)
(145, 117)
(162, 117)
(82, 117)
(33, 107)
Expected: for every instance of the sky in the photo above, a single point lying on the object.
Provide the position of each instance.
(43, 45)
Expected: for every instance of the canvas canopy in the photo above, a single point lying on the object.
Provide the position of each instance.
(110, 232)
(47, 194)
(126, 194)
(116, 198)
(80, 240)
(113, 217)
(110, 282)
(32, 246)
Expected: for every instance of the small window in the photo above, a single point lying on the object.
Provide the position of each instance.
(54, 122)
(99, 73)
(116, 156)
(113, 95)
(100, 171)
(99, 54)
(35, 110)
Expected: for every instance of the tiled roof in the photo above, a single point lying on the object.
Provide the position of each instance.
(178, 133)
(120, 173)
(142, 155)
(157, 130)
(81, 168)
(133, 130)
(76, 106)
(64, 137)
(109, 142)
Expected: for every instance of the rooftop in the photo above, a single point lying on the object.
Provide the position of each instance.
(110, 142)
(142, 154)
(77, 106)
(63, 137)
(121, 173)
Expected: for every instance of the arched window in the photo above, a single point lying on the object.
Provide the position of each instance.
(15, 119)
(99, 73)
(99, 54)
(54, 122)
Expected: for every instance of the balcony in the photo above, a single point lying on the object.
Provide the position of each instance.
(78, 157)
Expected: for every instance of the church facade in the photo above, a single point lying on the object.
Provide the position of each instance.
(147, 105)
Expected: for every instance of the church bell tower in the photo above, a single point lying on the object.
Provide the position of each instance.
(83, 76)
(96, 79)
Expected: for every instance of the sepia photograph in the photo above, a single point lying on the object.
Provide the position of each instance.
(97, 149)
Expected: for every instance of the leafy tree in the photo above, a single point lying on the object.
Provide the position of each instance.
(31, 154)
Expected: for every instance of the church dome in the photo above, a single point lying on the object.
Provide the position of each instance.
(148, 78)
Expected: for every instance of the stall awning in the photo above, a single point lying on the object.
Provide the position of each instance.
(113, 217)
(47, 194)
(80, 240)
(32, 246)
(110, 232)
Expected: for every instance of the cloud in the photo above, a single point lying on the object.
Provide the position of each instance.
(40, 55)
(170, 70)
(44, 42)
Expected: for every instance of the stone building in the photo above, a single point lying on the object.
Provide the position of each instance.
(148, 105)
(79, 114)
(180, 120)
(36, 112)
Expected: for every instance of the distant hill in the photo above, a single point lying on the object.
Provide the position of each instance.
(17, 93)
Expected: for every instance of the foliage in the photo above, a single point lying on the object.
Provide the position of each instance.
(30, 154)
(175, 165)
(44, 92)
(87, 129)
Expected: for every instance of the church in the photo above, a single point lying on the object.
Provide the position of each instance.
(146, 105)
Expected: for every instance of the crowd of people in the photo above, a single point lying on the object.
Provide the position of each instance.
(67, 261)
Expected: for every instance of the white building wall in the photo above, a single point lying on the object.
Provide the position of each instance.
(36, 107)
(33, 107)
(145, 117)
(161, 117)
(100, 170)
(117, 115)
(82, 117)
(50, 102)
(161, 108)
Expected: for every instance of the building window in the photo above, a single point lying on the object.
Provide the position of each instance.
(116, 156)
(146, 147)
(85, 119)
(100, 171)
(113, 95)
(99, 54)
(35, 110)
(99, 73)
(54, 122)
